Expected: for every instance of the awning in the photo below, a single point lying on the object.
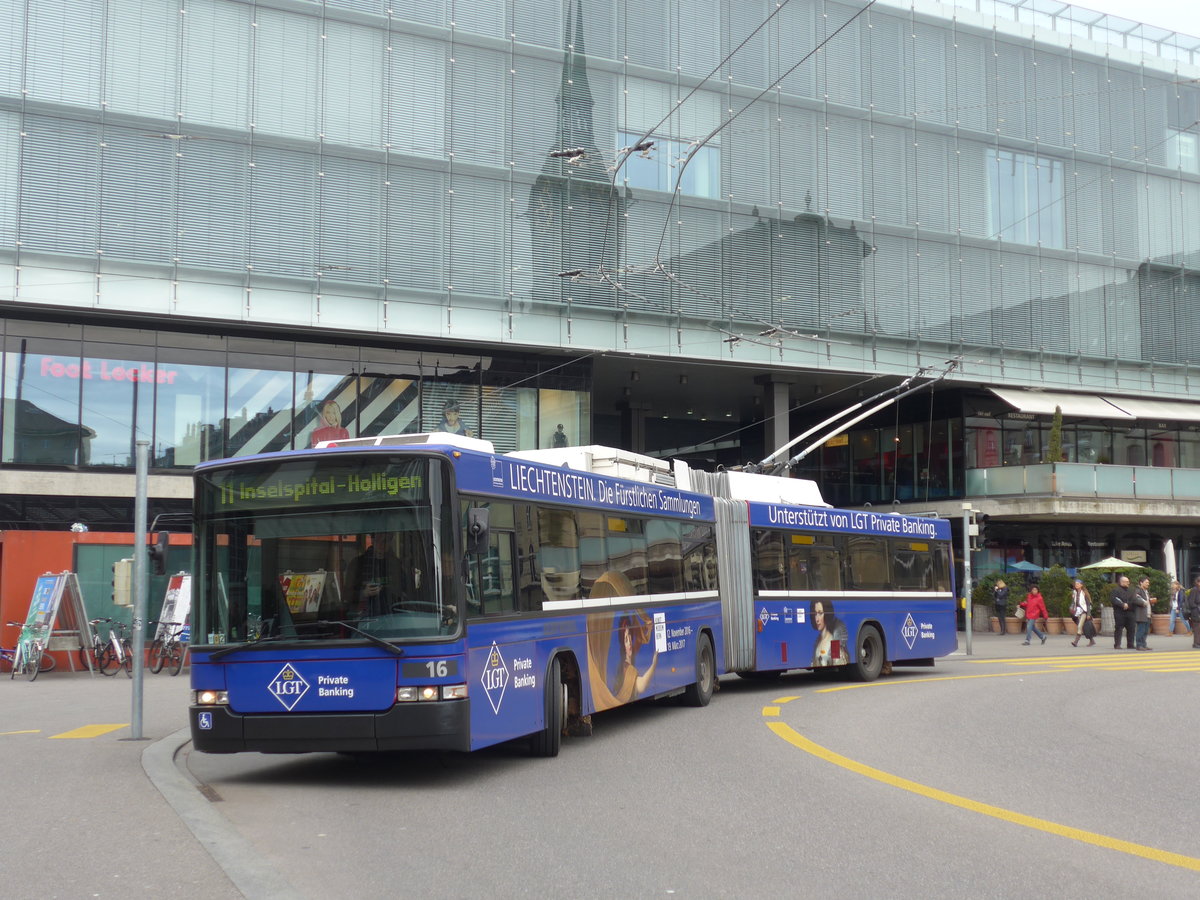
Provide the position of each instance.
(1083, 406)
(1164, 410)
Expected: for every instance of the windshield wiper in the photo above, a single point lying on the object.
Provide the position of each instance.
(377, 641)
(266, 639)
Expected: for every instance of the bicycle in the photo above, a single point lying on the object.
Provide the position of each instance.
(109, 655)
(28, 658)
(167, 652)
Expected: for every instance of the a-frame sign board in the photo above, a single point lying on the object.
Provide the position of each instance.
(56, 611)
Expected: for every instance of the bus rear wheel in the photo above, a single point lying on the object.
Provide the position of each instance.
(547, 741)
(868, 660)
(700, 691)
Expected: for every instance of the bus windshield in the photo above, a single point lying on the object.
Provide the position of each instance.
(320, 549)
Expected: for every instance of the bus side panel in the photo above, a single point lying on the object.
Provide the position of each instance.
(912, 629)
(624, 654)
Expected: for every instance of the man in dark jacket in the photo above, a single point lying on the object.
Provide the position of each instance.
(1192, 610)
(1124, 616)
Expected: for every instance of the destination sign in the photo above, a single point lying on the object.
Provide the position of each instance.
(311, 482)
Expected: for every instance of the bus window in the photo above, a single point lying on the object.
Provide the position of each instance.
(813, 567)
(699, 558)
(770, 572)
(941, 554)
(490, 575)
(912, 566)
(558, 554)
(868, 563)
(593, 557)
(626, 542)
(665, 555)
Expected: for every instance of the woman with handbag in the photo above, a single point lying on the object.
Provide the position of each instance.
(1081, 612)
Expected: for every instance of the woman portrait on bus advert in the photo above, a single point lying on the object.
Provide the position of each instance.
(634, 631)
(831, 635)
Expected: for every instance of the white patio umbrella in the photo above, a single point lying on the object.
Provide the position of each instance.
(1111, 562)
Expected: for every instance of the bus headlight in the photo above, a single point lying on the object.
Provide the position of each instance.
(425, 693)
(210, 698)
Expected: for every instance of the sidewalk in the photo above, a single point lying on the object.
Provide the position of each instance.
(985, 645)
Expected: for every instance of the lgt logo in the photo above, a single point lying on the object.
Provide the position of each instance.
(494, 677)
(909, 631)
(288, 687)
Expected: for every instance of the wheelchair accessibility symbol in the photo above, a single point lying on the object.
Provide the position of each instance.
(204, 720)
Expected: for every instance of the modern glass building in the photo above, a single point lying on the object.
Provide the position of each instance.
(689, 227)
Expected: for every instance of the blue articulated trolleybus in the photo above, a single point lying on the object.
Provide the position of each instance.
(421, 591)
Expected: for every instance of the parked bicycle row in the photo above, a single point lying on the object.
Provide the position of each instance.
(108, 654)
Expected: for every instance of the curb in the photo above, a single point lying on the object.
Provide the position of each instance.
(250, 873)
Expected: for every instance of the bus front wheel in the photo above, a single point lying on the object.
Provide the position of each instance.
(547, 741)
(699, 692)
(868, 660)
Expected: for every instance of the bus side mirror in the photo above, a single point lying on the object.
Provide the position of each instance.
(477, 530)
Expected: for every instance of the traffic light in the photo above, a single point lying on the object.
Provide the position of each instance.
(158, 553)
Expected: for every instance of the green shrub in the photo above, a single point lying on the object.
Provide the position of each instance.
(1056, 588)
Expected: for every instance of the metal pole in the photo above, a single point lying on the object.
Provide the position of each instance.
(966, 561)
(142, 463)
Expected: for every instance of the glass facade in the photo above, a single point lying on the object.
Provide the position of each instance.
(83, 395)
(1005, 178)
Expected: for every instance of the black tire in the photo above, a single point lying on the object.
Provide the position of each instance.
(128, 664)
(546, 742)
(47, 663)
(157, 657)
(174, 657)
(700, 691)
(84, 654)
(107, 662)
(33, 666)
(868, 658)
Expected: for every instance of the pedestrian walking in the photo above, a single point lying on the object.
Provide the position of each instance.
(1141, 610)
(1123, 614)
(1081, 612)
(1035, 608)
(1000, 599)
(1178, 603)
(1193, 612)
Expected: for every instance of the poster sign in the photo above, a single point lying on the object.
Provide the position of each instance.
(57, 607)
(177, 606)
(303, 590)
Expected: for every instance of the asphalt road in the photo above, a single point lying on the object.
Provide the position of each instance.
(1019, 772)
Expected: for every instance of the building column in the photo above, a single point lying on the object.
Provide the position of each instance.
(633, 425)
(777, 429)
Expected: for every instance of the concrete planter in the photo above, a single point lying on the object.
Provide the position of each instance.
(1015, 625)
(1054, 625)
(1159, 623)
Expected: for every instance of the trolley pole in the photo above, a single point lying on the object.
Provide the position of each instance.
(966, 561)
(142, 463)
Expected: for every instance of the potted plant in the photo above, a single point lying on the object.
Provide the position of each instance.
(1056, 588)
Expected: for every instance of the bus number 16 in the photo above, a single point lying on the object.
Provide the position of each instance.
(437, 668)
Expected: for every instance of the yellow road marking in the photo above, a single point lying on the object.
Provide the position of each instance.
(796, 739)
(770, 710)
(787, 699)
(88, 731)
(27, 731)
